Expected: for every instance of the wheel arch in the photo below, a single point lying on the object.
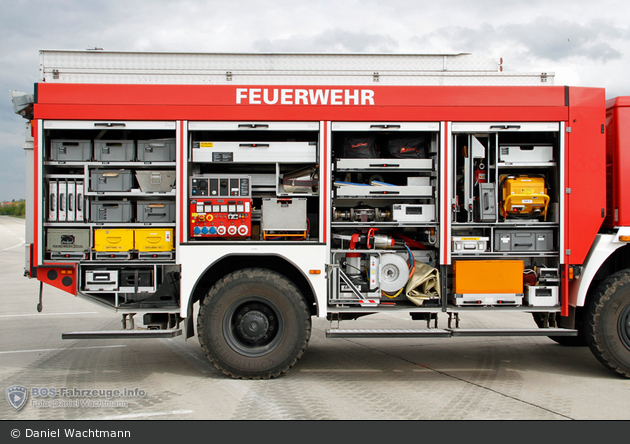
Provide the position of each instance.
(233, 262)
(607, 256)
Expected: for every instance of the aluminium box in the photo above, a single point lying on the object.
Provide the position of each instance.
(70, 150)
(284, 214)
(156, 150)
(114, 150)
(156, 181)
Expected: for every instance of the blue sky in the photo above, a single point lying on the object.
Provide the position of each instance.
(583, 42)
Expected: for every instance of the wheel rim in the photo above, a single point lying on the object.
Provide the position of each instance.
(623, 326)
(253, 326)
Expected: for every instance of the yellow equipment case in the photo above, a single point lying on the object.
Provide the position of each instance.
(154, 243)
(524, 196)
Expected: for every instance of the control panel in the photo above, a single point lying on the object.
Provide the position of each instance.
(220, 206)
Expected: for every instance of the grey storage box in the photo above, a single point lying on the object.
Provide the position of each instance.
(156, 150)
(110, 211)
(68, 243)
(114, 150)
(156, 181)
(70, 150)
(110, 180)
(523, 240)
(152, 211)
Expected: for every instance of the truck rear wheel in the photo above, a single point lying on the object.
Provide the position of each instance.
(608, 323)
(254, 324)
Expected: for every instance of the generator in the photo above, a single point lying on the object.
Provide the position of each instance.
(524, 197)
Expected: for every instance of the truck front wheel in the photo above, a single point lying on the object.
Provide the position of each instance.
(254, 324)
(608, 323)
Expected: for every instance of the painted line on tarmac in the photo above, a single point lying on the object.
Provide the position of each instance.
(15, 246)
(137, 415)
(48, 314)
(60, 349)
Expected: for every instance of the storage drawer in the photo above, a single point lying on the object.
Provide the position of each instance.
(526, 153)
(488, 299)
(162, 211)
(156, 150)
(359, 191)
(71, 150)
(110, 211)
(413, 213)
(255, 152)
(101, 280)
(542, 296)
(523, 240)
(117, 239)
(384, 164)
(156, 181)
(114, 150)
(110, 180)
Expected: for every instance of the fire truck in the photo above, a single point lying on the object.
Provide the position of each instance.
(237, 196)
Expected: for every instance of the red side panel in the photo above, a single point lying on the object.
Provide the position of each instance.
(585, 172)
(238, 102)
(617, 159)
(62, 276)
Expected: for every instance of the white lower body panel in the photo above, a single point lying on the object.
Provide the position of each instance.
(197, 258)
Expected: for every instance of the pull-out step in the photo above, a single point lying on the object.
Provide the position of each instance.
(121, 334)
(446, 333)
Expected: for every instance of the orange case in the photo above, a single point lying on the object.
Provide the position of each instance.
(488, 277)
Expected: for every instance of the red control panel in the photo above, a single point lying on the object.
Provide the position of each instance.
(212, 218)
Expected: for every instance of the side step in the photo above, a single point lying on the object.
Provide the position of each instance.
(121, 334)
(447, 332)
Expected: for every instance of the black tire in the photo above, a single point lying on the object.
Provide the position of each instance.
(608, 323)
(567, 341)
(254, 324)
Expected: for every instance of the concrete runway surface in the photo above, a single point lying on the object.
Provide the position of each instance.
(511, 378)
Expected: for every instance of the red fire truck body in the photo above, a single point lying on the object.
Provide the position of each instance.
(272, 188)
